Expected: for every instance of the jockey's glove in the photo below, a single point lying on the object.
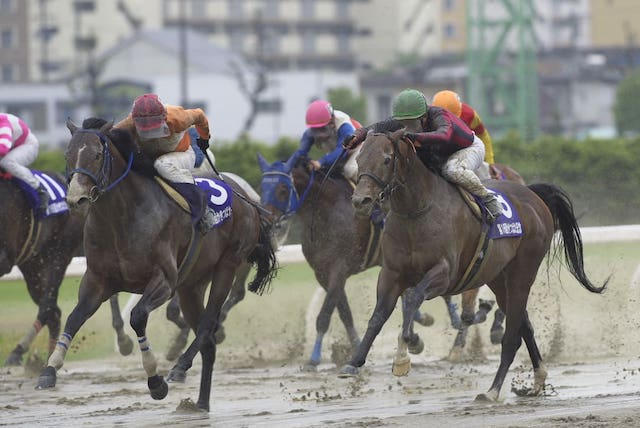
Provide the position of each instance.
(203, 144)
(352, 141)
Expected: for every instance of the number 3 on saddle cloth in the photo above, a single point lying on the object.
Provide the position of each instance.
(57, 193)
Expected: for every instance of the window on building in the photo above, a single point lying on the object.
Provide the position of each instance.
(307, 9)
(7, 6)
(342, 8)
(449, 5)
(33, 113)
(235, 8)
(8, 73)
(198, 8)
(450, 31)
(271, 8)
(7, 40)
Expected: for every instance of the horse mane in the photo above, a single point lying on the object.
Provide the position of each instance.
(126, 145)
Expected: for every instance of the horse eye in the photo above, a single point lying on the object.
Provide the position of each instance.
(387, 161)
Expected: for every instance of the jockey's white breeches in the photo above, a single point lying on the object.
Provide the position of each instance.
(461, 165)
(176, 166)
(19, 158)
(350, 168)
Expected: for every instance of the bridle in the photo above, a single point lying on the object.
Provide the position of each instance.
(294, 202)
(391, 185)
(101, 179)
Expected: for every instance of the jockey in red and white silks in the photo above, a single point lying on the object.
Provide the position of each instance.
(18, 149)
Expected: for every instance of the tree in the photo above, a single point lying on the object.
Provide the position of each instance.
(344, 100)
(626, 108)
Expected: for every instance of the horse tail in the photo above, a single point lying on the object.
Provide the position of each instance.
(564, 219)
(263, 257)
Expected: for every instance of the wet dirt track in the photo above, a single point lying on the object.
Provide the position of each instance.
(436, 393)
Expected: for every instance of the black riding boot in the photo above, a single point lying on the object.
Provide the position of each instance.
(43, 197)
(200, 215)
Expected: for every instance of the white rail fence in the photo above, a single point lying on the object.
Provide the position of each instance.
(290, 254)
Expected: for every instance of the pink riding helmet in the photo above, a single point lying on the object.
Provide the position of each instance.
(319, 113)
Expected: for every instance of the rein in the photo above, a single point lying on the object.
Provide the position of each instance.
(102, 184)
(295, 202)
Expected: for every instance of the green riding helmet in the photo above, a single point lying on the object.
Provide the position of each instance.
(409, 104)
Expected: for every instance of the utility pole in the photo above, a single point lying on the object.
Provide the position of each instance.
(182, 31)
(502, 65)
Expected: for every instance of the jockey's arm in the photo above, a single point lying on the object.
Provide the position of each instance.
(6, 135)
(180, 119)
(478, 127)
(346, 129)
(305, 144)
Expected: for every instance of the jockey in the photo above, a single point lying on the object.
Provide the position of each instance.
(451, 101)
(327, 128)
(448, 136)
(161, 131)
(18, 149)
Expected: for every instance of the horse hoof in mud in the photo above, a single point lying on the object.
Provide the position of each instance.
(539, 377)
(178, 344)
(487, 397)
(14, 359)
(125, 345)
(348, 371)
(401, 366)
(47, 378)
(310, 367)
(177, 376)
(424, 319)
(496, 336)
(455, 354)
(417, 347)
(158, 388)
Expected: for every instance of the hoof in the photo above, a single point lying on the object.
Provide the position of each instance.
(348, 371)
(125, 345)
(310, 367)
(203, 407)
(417, 348)
(178, 344)
(402, 367)
(455, 355)
(177, 376)
(47, 378)
(14, 359)
(158, 388)
(496, 336)
(425, 319)
(487, 397)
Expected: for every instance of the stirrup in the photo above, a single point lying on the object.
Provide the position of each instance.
(493, 206)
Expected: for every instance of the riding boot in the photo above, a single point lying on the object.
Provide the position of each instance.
(493, 206)
(201, 216)
(43, 197)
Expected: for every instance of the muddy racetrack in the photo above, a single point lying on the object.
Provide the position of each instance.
(590, 345)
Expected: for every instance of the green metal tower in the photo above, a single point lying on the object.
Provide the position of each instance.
(502, 66)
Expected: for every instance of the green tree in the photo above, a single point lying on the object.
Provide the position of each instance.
(626, 108)
(354, 105)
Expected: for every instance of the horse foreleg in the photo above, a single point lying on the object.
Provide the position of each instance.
(389, 290)
(88, 303)
(155, 294)
(497, 331)
(412, 298)
(452, 309)
(179, 342)
(125, 344)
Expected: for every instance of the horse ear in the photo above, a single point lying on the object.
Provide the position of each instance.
(291, 162)
(264, 165)
(106, 127)
(71, 126)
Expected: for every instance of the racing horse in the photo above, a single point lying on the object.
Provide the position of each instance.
(335, 244)
(434, 243)
(139, 240)
(41, 248)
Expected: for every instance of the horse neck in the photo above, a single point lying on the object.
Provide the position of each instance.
(320, 197)
(416, 195)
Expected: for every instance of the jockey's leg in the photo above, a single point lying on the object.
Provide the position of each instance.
(15, 163)
(176, 168)
(459, 169)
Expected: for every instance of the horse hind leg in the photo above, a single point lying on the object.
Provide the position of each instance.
(180, 341)
(237, 294)
(539, 371)
(125, 344)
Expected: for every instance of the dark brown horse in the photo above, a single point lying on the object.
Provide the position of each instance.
(335, 243)
(431, 244)
(42, 249)
(139, 240)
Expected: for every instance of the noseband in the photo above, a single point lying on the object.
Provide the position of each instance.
(387, 187)
(101, 180)
(294, 202)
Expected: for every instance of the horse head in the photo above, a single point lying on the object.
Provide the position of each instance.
(382, 165)
(90, 160)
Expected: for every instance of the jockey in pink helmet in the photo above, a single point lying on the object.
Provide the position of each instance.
(327, 128)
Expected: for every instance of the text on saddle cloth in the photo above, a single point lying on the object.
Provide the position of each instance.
(57, 193)
(508, 224)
